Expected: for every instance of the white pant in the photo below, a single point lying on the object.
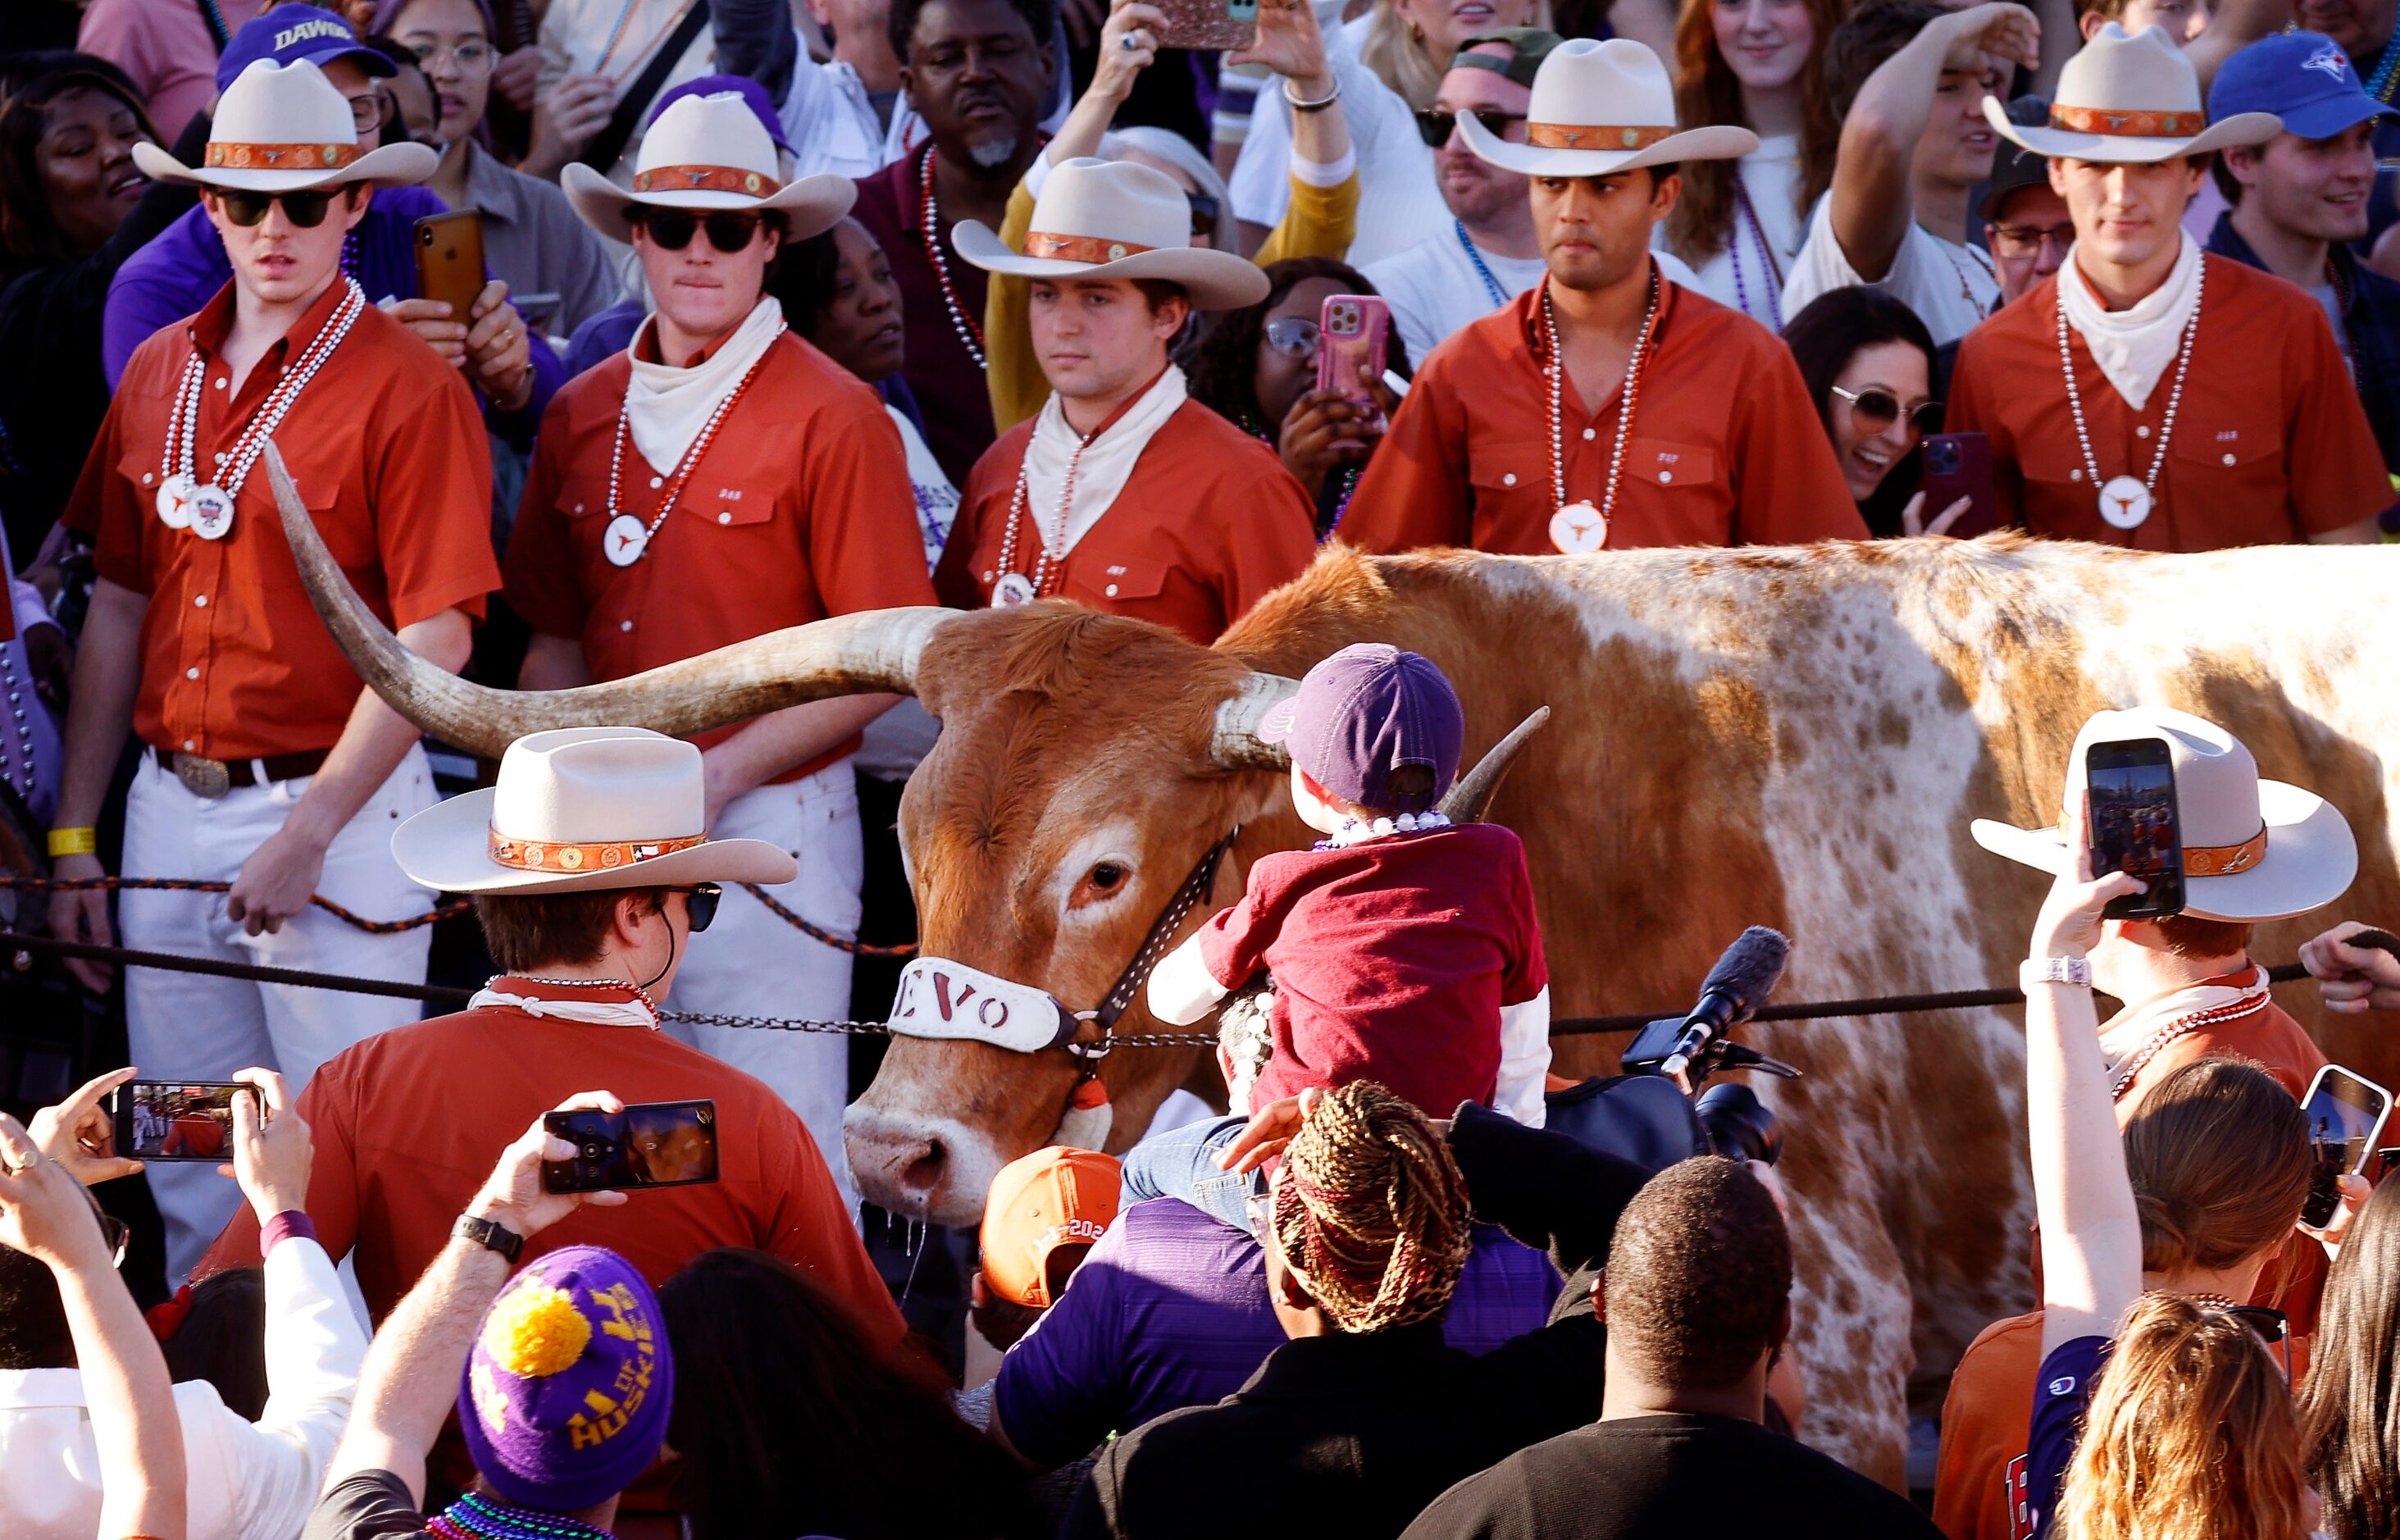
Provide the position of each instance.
(752, 962)
(190, 1026)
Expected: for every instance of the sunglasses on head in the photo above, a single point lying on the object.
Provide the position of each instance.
(1205, 211)
(700, 905)
(1293, 336)
(1435, 125)
(673, 228)
(2272, 1327)
(306, 209)
(1874, 410)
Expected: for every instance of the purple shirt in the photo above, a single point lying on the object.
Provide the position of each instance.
(184, 267)
(1170, 1310)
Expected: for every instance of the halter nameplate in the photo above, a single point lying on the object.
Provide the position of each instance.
(706, 178)
(1093, 248)
(2224, 860)
(238, 156)
(560, 855)
(1582, 136)
(942, 999)
(2140, 125)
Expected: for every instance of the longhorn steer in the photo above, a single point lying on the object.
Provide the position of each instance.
(1793, 738)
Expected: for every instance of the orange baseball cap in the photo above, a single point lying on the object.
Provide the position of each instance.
(1054, 1197)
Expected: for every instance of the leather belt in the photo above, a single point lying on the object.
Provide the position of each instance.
(213, 778)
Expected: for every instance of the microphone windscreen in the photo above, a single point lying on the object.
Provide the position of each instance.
(1751, 966)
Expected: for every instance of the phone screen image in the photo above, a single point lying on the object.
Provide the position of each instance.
(177, 1120)
(655, 1144)
(2135, 828)
(2345, 1114)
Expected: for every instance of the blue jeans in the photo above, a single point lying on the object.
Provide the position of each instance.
(1181, 1163)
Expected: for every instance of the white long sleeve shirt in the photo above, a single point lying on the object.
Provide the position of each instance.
(246, 1480)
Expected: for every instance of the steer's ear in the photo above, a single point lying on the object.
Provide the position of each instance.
(1470, 796)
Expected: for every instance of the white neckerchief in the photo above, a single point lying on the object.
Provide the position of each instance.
(1101, 470)
(596, 1013)
(2137, 1031)
(2134, 346)
(667, 407)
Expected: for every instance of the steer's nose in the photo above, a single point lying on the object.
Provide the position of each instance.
(898, 1164)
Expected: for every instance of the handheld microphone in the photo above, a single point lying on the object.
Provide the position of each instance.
(1736, 987)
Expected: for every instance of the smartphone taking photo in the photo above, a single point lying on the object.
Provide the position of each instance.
(1352, 333)
(1208, 25)
(650, 1144)
(2135, 828)
(177, 1120)
(2345, 1114)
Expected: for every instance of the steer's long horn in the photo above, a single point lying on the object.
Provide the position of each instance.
(873, 650)
(1470, 796)
(1236, 744)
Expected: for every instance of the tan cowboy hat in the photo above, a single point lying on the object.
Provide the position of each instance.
(284, 129)
(2253, 850)
(1107, 219)
(578, 809)
(706, 153)
(1600, 108)
(2133, 99)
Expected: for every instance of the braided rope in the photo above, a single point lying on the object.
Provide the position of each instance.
(1371, 1210)
(193, 885)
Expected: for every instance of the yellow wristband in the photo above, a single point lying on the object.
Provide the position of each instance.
(74, 842)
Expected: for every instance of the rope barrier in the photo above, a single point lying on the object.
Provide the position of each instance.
(27, 947)
(193, 885)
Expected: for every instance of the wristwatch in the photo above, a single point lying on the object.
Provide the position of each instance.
(2036, 971)
(490, 1235)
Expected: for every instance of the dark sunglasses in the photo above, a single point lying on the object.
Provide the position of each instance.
(304, 210)
(1434, 126)
(700, 905)
(1875, 410)
(1205, 211)
(673, 228)
(2272, 1327)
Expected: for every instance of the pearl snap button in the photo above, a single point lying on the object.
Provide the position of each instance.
(1591, 432)
(2228, 460)
(1665, 476)
(220, 382)
(2142, 431)
(2075, 475)
(658, 480)
(624, 625)
(579, 507)
(189, 744)
(191, 674)
(146, 477)
(199, 601)
(1111, 591)
(725, 518)
(1508, 480)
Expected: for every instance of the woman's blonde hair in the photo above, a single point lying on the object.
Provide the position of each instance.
(2189, 1436)
(1391, 50)
(1707, 92)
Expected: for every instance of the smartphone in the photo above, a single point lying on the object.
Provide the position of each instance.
(177, 1120)
(2135, 826)
(1959, 465)
(1208, 24)
(2345, 1114)
(1352, 332)
(652, 1144)
(450, 260)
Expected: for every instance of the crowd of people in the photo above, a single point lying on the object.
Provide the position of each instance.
(853, 306)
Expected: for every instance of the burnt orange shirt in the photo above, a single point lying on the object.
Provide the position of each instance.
(2270, 443)
(801, 508)
(1724, 447)
(1207, 523)
(387, 448)
(408, 1124)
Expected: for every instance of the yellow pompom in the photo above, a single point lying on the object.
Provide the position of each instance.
(535, 1330)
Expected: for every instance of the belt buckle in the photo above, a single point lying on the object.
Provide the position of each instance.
(203, 778)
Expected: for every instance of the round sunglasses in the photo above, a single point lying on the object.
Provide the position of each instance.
(1874, 409)
(1434, 126)
(673, 228)
(1293, 336)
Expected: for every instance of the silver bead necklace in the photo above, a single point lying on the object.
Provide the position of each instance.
(2124, 502)
(1578, 527)
(1013, 586)
(624, 537)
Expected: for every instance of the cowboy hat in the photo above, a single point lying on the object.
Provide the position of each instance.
(707, 152)
(1600, 108)
(1097, 220)
(284, 129)
(578, 809)
(2133, 98)
(2253, 850)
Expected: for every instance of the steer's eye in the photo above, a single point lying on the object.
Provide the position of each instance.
(1104, 880)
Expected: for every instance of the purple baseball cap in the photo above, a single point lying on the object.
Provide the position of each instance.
(289, 33)
(564, 1400)
(1364, 712)
(753, 95)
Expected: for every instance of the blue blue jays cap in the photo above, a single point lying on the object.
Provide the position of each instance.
(289, 33)
(2302, 77)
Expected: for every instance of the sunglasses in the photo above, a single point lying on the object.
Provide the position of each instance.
(700, 905)
(2272, 1327)
(1435, 126)
(1293, 336)
(1874, 410)
(673, 228)
(1205, 212)
(306, 211)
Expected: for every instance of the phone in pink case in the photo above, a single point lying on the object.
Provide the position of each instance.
(1351, 334)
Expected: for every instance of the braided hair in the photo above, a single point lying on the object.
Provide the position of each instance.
(1372, 1211)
